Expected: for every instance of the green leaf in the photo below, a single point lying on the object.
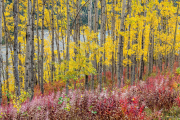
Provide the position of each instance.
(59, 102)
(60, 98)
(94, 112)
(39, 107)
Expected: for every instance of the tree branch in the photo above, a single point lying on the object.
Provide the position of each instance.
(77, 16)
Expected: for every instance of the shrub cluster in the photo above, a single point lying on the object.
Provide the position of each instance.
(147, 100)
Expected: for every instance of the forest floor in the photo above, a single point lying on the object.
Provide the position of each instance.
(155, 97)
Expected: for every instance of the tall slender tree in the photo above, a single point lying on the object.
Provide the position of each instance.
(174, 42)
(6, 42)
(128, 47)
(28, 73)
(90, 27)
(16, 73)
(32, 52)
(104, 42)
(120, 46)
(42, 49)
(37, 32)
(1, 60)
(142, 47)
(95, 40)
(151, 45)
(103, 24)
(57, 35)
(113, 38)
(67, 47)
(52, 42)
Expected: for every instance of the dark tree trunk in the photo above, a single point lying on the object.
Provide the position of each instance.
(16, 73)
(42, 50)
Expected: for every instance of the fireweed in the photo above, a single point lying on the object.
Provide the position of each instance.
(129, 102)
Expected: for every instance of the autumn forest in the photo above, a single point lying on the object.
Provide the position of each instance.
(89, 59)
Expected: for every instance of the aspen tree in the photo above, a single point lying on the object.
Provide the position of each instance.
(104, 41)
(16, 73)
(120, 46)
(174, 42)
(37, 32)
(128, 47)
(42, 49)
(19, 48)
(28, 48)
(57, 36)
(90, 27)
(101, 40)
(160, 54)
(62, 36)
(113, 38)
(78, 28)
(142, 47)
(133, 59)
(6, 42)
(20, 65)
(76, 36)
(164, 25)
(32, 52)
(95, 40)
(67, 47)
(78, 22)
(1, 60)
(52, 43)
(150, 61)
